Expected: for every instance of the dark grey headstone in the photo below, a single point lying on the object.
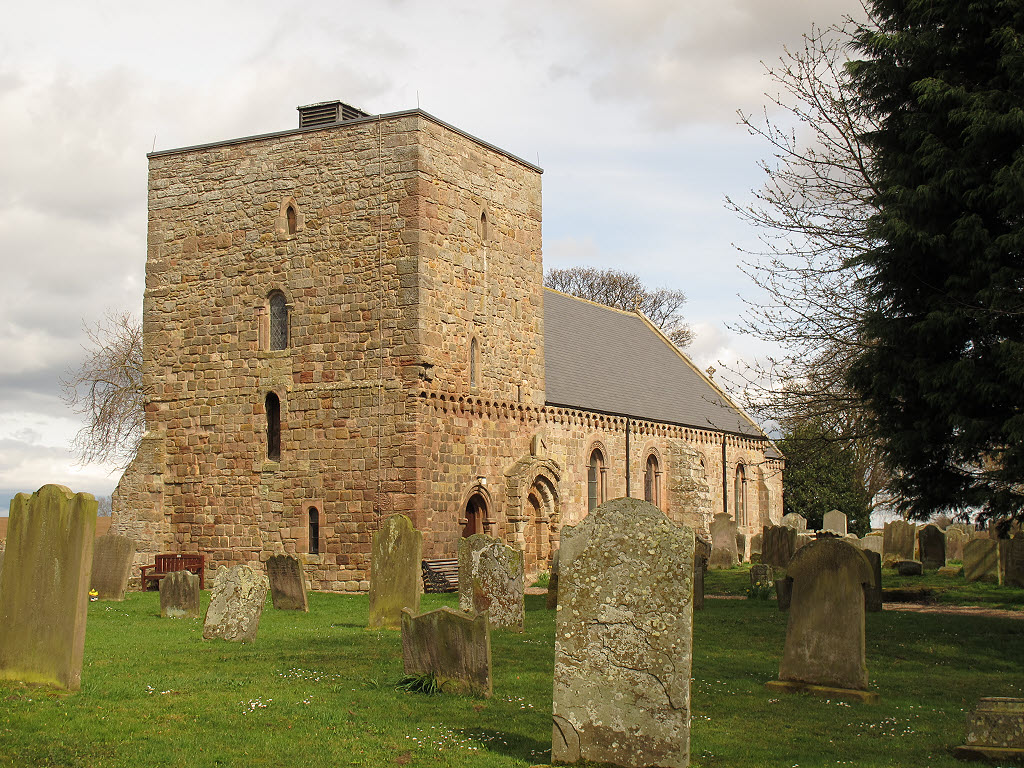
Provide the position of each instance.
(873, 593)
(778, 543)
(179, 595)
(112, 559)
(723, 542)
(898, 540)
(287, 583)
(784, 593)
(1011, 562)
(909, 568)
(932, 546)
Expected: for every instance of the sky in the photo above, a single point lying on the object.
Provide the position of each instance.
(630, 106)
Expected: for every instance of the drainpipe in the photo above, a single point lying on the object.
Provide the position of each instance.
(627, 457)
(725, 480)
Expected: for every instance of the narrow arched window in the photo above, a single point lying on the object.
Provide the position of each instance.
(314, 531)
(278, 321)
(741, 495)
(273, 409)
(595, 480)
(474, 364)
(292, 219)
(652, 481)
(484, 231)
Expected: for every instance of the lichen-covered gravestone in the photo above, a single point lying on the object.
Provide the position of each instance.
(45, 594)
(452, 646)
(835, 521)
(1011, 562)
(761, 574)
(287, 583)
(898, 541)
(825, 645)
(932, 545)
(778, 543)
(491, 579)
(623, 638)
(179, 595)
(795, 521)
(236, 604)
(723, 542)
(995, 732)
(981, 560)
(394, 572)
(112, 558)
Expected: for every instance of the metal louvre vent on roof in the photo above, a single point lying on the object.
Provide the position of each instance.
(327, 113)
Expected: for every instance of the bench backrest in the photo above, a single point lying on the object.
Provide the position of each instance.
(178, 562)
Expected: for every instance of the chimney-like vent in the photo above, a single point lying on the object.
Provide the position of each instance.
(327, 113)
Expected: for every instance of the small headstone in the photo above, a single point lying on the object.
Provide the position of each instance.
(778, 544)
(898, 540)
(795, 521)
(955, 540)
(871, 544)
(784, 592)
(756, 547)
(909, 568)
(723, 542)
(873, 593)
(981, 560)
(179, 595)
(825, 644)
(236, 604)
(287, 583)
(624, 620)
(834, 521)
(551, 600)
(741, 546)
(112, 558)
(761, 574)
(932, 546)
(701, 556)
(50, 537)
(1011, 562)
(453, 646)
(491, 579)
(803, 539)
(995, 732)
(395, 572)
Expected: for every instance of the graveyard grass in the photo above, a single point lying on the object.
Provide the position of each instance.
(318, 689)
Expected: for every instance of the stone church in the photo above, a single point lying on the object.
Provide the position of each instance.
(348, 320)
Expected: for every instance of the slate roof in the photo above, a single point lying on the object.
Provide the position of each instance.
(601, 359)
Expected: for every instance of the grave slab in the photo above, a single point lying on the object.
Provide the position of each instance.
(453, 646)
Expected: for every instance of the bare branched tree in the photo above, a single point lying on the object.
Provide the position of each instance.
(107, 388)
(624, 290)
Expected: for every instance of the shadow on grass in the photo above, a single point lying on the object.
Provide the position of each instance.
(511, 744)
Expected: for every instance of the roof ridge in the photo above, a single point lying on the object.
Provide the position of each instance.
(626, 312)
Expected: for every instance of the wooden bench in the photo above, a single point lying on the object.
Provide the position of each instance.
(440, 575)
(169, 564)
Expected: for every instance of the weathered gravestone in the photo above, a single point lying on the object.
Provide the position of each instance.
(624, 619)
(756, 547)
(778, 543)
(909, 567)
(701, 555)
(1011, 562)
(981, 560)
(491, 579)
(872, 543)
(873, 594)
(287, 583)
(179, 595)
(956, 537)
(825, 645)
(112, 558)
(50, 537)
(803, 539)
(795, 521)
(834, 521)
(932, 546)
(236, 604)
(784, 592)
(761, 574)
(551, 599)
(452, 646)
(741, 546)
(898, 541)
(395, 572)
(995, 732)
(723, 542)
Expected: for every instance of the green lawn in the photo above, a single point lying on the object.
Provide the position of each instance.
(318, 689)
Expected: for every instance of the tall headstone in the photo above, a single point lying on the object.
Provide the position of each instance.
(795, 521)
(287, 583)
(1011, 562)
(112, 558)
(981, 560)
(741, 546)
(624, 620)
(396, 554)
(491, 579)
(551, 599)
(723, 542)
(932, 546)
(45, 593)
(701, 556)
(236, 604)
(898, 540)
(778, 544)
(873, 594)
(956, 537)
(834, 521)
(454, 647)
(825, 644)
(179, 595)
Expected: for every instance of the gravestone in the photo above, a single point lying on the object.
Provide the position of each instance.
(795, 521)
(950, 570)
(1011, 562)
(395, 572)
(834, 521)
(701, 555)
(741, 546)
(236, 604)
(825, 645)
(932, 546)
(491, 579)
(50, 537)
(287, 583)
(454, 647)
(784, 592)
(112, 558)
(761, 574)
(956, 537)
(756, 547)
(873, 594)
(871, 543)
(179, 595)
(981, 560)
(909, 567)
(995, 732)
(624, 620)
(723, 542)
(551, 599)
(898, 541)
(778, 543)
(803, 539)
